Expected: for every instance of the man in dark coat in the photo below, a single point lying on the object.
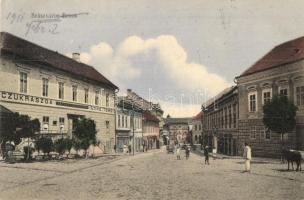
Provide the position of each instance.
(206, 154)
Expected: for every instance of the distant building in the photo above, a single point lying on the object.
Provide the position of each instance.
(152, 117)
(197, 128)
(220, 122)
(55, 89)
(151, 133)
(279, 72)
(178, 129)
(128, 125)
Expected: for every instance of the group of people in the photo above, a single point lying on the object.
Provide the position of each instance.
(178, 152)
(247, 154)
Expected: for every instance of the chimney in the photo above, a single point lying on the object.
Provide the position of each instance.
(129, 91)
(76, 56)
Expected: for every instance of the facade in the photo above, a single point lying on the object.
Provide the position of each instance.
(179, 130)
(128, 126)
(197, 128)
(220, 122)
(55, 89)
(279, 72)
(152, 119)
(151, 133)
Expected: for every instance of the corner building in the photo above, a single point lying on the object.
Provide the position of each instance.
(55, 89)
(279, 72)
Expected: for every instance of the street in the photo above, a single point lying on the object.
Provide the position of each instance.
(152, 175)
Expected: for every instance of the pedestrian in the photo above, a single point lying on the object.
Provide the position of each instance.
(214, 151)
(129, 148)
(187, 152)
(247, 157)
(206, 154)
(178, 153)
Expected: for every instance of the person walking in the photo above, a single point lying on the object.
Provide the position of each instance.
(206, 154)
(178, 153)
(187, 152)
(247, 157)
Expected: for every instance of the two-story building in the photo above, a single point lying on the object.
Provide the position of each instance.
(55, 89)
(279, 72)
(151, 131)
(197, 122)
(128, 125)
(220, 122)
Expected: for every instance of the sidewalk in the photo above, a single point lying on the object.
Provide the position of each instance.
(223, 156)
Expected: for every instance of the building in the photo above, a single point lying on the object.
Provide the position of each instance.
(220, 122)
(178, 129)
(197, 128)
(55, 89)
(279, 72)
(151, 133)
(128, 126)
(152, 116)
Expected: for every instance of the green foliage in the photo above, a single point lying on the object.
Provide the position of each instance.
(45, 144)
(280, 115)
(16, 126)
(68, 144)
(85, 133)
(60, 146)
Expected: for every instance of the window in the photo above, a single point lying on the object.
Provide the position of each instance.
(107, 124)
(61, 90)
(45, 120)
(86, 95)
(230, 116)
(195, 127)
(96, 97)
(283, 92)
(234, 115)
(266, 95)
(45, 87)
(74, 91)
(123, 121)
(118, 120)
(252, 102)
(61, 120)
(107, 100)
(300, 96)
(126, 121)
(267, 134)
(253, 133)
(23, 82)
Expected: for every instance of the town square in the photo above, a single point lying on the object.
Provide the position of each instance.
(142, 99)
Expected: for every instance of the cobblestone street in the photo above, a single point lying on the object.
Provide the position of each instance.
(152, 175)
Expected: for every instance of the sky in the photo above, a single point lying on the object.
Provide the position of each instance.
(175, 52)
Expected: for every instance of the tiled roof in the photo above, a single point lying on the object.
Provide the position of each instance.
(285, 53)
(185, 120)
(199, 116)
(219, 96)
(35, 53)
(149, 117)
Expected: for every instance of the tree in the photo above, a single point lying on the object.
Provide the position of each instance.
(68, 144)
(85, 133)
(16, 126)
(60, 146)
(280, 116)
(45, 144)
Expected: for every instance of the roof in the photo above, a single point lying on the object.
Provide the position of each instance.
(285, 53)
(149, 117)
(199, 116)
(219, 96)
(35, 53)
(185, 120)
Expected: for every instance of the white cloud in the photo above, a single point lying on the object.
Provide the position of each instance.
(172, 63)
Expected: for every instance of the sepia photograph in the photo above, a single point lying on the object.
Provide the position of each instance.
(151, 100)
